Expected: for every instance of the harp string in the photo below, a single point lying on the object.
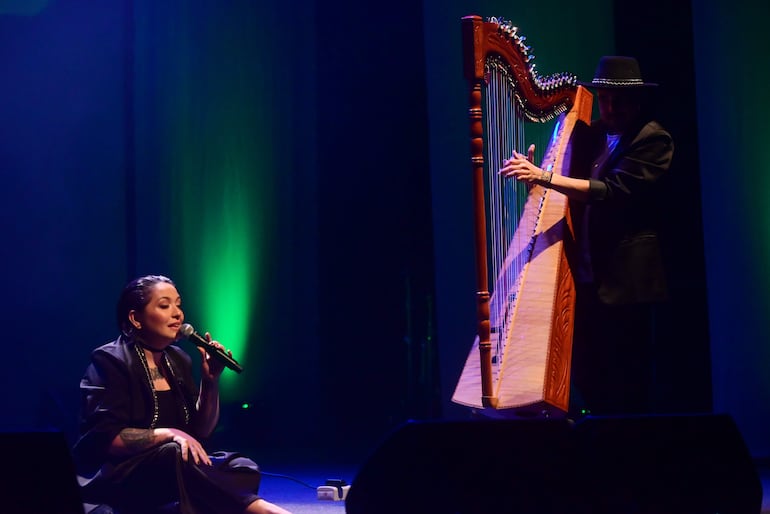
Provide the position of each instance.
(506, 198)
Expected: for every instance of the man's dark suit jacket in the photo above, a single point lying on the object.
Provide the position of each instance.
(622, 213)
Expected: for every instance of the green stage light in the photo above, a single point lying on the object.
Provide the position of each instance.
(218, 154)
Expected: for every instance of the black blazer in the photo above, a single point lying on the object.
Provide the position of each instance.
(622, 214)
(116, 393)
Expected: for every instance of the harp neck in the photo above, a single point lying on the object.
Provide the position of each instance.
(498, 43)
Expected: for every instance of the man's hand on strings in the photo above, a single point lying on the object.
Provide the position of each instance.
(521, 167)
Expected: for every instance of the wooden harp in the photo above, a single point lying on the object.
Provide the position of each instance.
(519, 363)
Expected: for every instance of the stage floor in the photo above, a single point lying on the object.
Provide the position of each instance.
(294, 486)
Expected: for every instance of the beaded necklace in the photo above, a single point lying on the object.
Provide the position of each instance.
(167, 362)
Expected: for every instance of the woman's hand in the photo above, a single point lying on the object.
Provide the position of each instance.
(211, 368)
(189, 445)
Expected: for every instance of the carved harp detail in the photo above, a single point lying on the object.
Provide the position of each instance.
(521, 357)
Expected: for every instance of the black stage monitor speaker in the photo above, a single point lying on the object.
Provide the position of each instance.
(654, 464)
(482, 466)
(39, 476)
(669, 464)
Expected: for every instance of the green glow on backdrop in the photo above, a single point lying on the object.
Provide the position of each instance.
(744, 166)
(218, 154)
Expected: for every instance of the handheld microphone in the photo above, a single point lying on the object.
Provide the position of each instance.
(189, 332)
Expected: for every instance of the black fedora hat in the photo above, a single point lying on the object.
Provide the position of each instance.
(617, 72)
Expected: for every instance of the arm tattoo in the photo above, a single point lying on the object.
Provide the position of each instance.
(137, 438)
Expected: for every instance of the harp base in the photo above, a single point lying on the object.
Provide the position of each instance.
(539, 410)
